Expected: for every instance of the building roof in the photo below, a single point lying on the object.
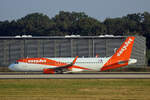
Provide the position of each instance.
(59, 37)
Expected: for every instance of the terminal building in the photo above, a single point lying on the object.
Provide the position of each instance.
(14, 48)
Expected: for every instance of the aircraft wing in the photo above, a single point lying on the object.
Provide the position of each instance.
(65, 66)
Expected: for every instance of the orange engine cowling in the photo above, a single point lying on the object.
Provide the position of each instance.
(49, 71)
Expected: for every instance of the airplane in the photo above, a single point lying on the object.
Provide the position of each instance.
(120, 58)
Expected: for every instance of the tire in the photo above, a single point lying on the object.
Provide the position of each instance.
(59, 72)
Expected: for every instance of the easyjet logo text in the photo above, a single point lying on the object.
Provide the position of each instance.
(124, 47)
(36, 61)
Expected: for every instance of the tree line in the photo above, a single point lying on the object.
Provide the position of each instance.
(78, 23)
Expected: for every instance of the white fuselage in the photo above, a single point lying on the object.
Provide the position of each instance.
(87, 63)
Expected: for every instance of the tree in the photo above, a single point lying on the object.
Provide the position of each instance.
(35, 24)
(66, 21)
(5, 28)
(115, 26)
(90, 26)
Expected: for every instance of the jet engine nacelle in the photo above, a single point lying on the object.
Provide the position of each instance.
(49, 71)
(52, 71)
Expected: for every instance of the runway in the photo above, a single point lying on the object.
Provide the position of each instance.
(107, 75)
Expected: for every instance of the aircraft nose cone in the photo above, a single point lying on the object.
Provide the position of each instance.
(11, 67)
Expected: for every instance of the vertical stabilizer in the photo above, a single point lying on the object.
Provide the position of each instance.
(121, 56)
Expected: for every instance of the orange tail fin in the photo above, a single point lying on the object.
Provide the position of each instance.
(122, 55)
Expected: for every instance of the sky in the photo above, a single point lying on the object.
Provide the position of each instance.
(99, 9)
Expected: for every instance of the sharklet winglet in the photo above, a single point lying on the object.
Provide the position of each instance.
(74, 61)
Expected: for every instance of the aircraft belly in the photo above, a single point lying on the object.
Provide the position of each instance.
(35, 67)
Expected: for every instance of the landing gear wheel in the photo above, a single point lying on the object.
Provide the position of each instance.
(59, 72)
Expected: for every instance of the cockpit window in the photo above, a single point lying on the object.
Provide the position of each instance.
(16, 62)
